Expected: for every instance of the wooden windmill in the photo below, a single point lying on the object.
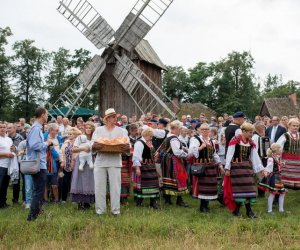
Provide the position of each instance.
(146, 95)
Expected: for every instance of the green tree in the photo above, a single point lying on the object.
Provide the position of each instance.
(59, 75)
(175, 83)
(199, 88)
(6, 97)
(30, 63)
(234, 84)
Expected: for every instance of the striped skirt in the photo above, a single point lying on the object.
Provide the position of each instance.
(243, 181)
(174, 176)
(272, 184)
(146, 185)
(125, 177)
(290, 172)
(206, 186)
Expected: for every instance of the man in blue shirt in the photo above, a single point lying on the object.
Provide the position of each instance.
(36, 147)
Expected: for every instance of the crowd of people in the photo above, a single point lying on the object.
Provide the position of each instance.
(226, 158)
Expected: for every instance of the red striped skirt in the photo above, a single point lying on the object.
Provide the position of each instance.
(290, 172)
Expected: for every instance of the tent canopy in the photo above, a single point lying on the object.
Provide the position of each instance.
(79, 112)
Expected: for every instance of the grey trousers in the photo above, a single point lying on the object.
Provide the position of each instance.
(100, 177)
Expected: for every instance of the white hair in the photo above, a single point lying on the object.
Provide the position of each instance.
(176, 124)
(52, 126)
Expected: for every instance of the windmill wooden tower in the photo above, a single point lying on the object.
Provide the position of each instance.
(123, 84)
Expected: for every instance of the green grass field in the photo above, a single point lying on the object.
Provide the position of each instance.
(64, 227)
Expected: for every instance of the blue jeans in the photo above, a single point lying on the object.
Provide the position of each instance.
(28, 188)
(39, 183)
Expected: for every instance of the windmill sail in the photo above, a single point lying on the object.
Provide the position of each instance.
(143, 16)
(88, 21)
(75, 94)
(134, 81)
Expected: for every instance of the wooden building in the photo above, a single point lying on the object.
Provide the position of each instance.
(112, 94)
(284, 106)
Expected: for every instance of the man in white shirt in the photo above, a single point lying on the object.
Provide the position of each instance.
(108, 164)
(6, 144)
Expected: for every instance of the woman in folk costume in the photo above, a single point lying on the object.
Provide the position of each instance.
(145, 177)
(290, 142)
(242, 161)
(173, 170)
(204, 152)
(126, 170)
(273, 183)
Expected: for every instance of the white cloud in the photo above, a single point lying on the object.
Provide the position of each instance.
(189, 32)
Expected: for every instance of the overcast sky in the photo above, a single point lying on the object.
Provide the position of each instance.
(190, 31)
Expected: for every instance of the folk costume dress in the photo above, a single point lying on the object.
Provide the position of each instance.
(205, 187)
(243, 161)
(173, 170)
(146, 185)
(273, 183)
(290, 171)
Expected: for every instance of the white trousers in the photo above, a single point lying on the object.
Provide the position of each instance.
(100, 177)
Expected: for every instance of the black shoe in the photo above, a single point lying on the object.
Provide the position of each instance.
(124, 201)
(116, 215)
(32, 217)
(236, 212)
(80, 206)
(154, 205)
(251, 215)
(182, 204)
(86, 205)
(204, 210)
(168, 200)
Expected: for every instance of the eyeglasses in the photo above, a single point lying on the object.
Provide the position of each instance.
(204, 129)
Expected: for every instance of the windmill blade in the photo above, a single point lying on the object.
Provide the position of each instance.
(88, 21)
(143, 16)
(136, 83)
(74, 95)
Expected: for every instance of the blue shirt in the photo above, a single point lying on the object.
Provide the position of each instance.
(35, 143)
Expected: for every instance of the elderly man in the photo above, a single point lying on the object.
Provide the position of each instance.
(16, 138)
(124, 121)
(275, 130)
(108, 164)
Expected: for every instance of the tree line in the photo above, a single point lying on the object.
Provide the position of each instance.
(226, 86)
(32, 76)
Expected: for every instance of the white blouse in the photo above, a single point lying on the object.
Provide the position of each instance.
(254, 158)
(137, 157)
(175, 145)
(194, 149)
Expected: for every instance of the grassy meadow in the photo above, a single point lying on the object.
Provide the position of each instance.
(64, 227)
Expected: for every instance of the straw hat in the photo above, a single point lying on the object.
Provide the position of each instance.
(108, 113)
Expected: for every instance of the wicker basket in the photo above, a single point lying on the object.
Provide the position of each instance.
(116, 149)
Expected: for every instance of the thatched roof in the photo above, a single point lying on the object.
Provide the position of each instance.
(193, 109)
(278, 107)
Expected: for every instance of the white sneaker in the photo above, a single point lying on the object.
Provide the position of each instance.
(81, 167)
(27, 206)
(91, 165)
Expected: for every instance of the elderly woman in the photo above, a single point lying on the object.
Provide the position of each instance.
(290, 141)
(242, 161)
(204, 152)
(53, 161)
(173, 170)
(82, 186)
(146, 183)
(67, 163)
